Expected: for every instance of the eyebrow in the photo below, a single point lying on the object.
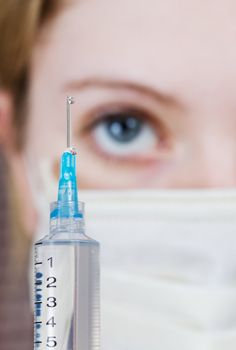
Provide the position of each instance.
(122, 85)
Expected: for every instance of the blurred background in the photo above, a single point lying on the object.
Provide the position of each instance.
(155, 128)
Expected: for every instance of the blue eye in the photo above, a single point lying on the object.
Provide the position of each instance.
(123, 128)
(124, 133)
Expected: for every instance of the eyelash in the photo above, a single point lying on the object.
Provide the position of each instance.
(104, 113)
(95, 116)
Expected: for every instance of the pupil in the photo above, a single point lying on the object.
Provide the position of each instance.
(123, 128)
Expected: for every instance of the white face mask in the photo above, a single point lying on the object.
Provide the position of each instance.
(168, 265)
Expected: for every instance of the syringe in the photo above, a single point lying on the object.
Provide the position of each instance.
(67, 305)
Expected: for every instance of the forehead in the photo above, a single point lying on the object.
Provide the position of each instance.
(155, 40)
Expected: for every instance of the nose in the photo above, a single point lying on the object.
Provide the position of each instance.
(216, 164)
(212, 166)
(215, 175)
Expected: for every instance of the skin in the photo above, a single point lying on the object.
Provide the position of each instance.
(176, 63)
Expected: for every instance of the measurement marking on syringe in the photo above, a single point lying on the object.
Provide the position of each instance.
(38, 282)
(38, 322)
(38, 263)
(38, 342)
(38, 302)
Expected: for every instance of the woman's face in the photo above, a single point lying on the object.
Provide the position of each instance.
(155, 86)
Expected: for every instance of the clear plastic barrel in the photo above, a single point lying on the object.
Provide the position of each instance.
(67, 300)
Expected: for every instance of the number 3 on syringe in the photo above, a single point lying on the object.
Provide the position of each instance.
(51, 303)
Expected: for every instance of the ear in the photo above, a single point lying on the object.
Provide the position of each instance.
(7, 137)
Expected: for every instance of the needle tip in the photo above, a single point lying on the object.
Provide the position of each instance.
(70, 99)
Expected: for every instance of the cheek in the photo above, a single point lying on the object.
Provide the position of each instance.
(153, 170)
(56, 169)
(95, 172)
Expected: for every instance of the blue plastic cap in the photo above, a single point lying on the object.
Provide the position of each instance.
(67, 191)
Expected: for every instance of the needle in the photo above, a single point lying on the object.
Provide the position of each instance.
(70, 100)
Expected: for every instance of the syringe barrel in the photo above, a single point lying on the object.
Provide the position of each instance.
(67, 293)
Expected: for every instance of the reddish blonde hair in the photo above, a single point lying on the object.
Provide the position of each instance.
(20, 21)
